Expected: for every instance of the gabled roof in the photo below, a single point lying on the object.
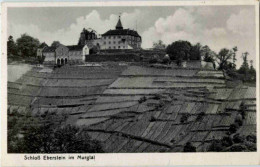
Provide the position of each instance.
(122, 32)
(49, 49)
(75, 47)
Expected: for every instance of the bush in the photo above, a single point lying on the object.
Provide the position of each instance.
(184, 118)
(226, 141)
(152, 119)
(233, 128)
(153, 60)
(200, 116)
(179, 62)
(157, 97)
(216, 146)
(41, 59)
(142, 99)
(189, 147)
(166, 60)
(236, 148)
(238, 139)
(239, 122)
(242, 110)
(251, 138)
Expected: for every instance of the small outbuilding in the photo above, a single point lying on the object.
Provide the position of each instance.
(62, 54)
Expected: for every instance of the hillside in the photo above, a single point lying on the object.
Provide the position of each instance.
(133, 108)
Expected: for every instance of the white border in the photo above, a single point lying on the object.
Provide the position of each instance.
(127, 159)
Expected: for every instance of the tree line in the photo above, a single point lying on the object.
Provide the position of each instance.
(179, 51)
(224, 60)
(24, 46)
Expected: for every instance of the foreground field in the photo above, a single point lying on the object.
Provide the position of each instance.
(139, 109)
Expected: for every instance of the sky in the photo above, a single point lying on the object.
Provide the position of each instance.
(216, 26)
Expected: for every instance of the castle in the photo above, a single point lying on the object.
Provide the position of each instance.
(89, 42)
(118, 38)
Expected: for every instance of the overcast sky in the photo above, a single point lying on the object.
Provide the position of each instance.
(215, 26)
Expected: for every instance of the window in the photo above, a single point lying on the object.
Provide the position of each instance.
(114, 37)
(119, 36)
(109, 42)
(118, 47)
(104, 37)
(114, 47)
(109, 47)
(104, 43)
(109, 37)
(124, 47)
(114, 42)
(119, 42)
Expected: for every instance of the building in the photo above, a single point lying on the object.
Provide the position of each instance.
(65, 54)
(87, 36)
(89, 42)
(77, 53)
(121, 38)
(40, 49)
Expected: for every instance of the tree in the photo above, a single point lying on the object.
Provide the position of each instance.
(42, 45)
(252, 72)
(245, 61)
(159, 45)
(223, 58)
(244, 69)
(55, 44)
(179, 50)
(11, 47)
(27, 45)
(166, 59)
(196, 52)
(249, 73)
(208, 55)
(234, 49)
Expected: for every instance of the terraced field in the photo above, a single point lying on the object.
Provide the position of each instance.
(138, 109)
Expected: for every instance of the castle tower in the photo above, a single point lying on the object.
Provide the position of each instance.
(119, 25)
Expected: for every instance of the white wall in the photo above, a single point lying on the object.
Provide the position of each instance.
(85, 51)
(49, 56)
(116, 42)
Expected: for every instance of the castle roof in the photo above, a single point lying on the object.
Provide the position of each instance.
(122, 32)
(49, 49)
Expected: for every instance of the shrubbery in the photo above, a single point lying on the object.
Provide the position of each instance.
(153, 60)
(47, 134)
(189, 147)
(200, 116)
(184, 117)
(234, 143)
